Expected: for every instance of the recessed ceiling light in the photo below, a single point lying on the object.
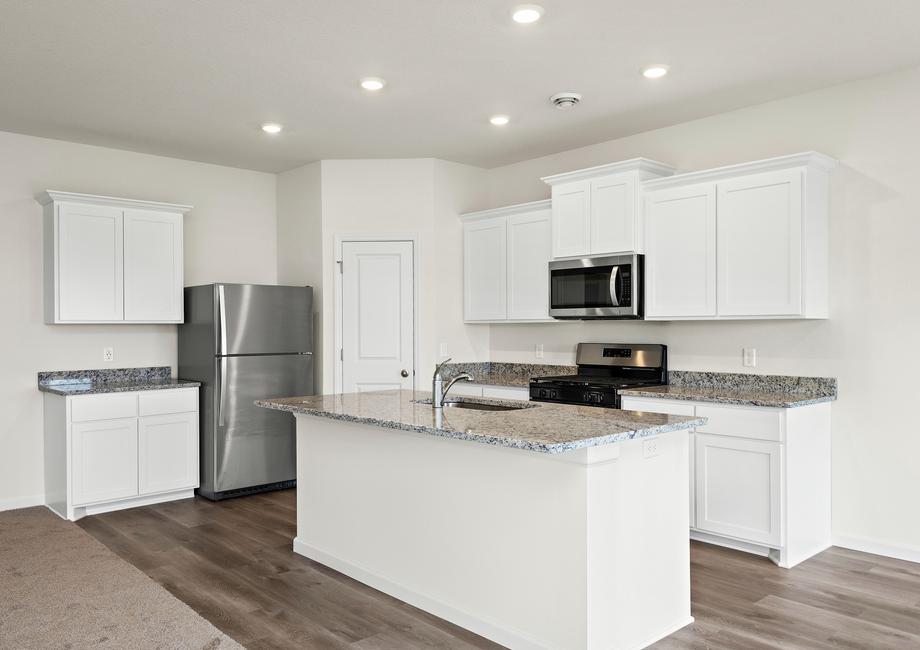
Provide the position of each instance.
(526, 14)
(499, 120)
(272, 128)
(373, 83)
(655, 70)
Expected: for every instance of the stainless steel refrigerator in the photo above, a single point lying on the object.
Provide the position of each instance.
(246, 342)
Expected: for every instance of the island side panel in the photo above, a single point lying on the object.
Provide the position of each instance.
(638, 547)
(491, 538)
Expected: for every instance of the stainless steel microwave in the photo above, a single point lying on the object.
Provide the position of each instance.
(597, 287)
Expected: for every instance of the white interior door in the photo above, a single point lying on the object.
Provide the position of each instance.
(378, 323)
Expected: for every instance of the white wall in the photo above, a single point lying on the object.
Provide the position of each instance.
(873, 127)
(421, 197)
(300, 243)
(229, 237)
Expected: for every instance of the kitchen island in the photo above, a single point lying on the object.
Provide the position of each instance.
(541, 526)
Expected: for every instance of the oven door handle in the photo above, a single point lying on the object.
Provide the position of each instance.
(614, 285)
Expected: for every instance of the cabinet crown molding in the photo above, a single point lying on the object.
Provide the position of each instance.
(631, 165)
(810, 159)
(57, 196)
(508, 210)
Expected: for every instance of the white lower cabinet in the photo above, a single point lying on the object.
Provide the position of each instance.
(120, 450)
(506, 392)
(104, 460)
(167, 452)
(463, 389)
(738, 487)
(760, 478)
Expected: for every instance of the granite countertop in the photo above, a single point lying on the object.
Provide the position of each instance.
(777, 391)
(110, 380)
(542, 427)
(498, 373)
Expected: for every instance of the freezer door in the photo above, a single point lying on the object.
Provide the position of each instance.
(252, 445)
(264, 319)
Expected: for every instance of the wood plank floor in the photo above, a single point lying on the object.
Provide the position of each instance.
(232, 562)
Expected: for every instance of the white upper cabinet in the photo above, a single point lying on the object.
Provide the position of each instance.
(613, 214)
(741, 242)
(680, 236)
(153, 266)
(760, 244)
(109, 260)
(596, 210)
(528, 265)
(506, 253)
(485, 259)
(571, 224)
(90, 258)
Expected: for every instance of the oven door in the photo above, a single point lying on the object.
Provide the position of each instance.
(596, 287)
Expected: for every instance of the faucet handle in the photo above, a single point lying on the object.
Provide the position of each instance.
(437, 369)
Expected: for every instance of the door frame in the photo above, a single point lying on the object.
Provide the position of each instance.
(340, 240)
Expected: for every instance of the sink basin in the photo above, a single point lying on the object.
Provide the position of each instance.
(477, 406)
(463, 403)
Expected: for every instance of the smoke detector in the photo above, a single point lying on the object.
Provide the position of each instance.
(565, 101)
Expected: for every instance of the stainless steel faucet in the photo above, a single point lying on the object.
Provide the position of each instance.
(438, 390)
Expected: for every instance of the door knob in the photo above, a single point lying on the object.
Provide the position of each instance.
(404, 373)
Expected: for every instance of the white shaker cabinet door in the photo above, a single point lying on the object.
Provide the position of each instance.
(89, 263)
(680, 252)
(104, 460)
(738, 488)
(153, 266)
(167, 452)
(484, 268)
(613, 214)
(760, 245)
(528, 266)
(571, 219)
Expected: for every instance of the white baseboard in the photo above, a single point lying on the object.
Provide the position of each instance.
(665, 634)
(877, 547)
(22, 502)
(728, 542)
(492, 631)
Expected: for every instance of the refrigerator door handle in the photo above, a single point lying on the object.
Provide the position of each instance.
(222, 318)
(222, 392)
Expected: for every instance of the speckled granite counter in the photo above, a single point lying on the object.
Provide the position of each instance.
(109, 380)
(496, 373)
(779, 391)
(543, 427)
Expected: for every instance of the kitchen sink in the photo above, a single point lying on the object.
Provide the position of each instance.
(479, 406)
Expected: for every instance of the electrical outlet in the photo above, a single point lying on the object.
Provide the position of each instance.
(442, 349)
(108, 355)
(538, 350)
(650, 447)
(749, 357)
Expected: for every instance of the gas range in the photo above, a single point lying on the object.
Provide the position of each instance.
(604, 369)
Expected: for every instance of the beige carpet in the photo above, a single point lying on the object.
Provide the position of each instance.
(60, 588)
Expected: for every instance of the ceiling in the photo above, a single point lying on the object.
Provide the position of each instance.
(196, 79)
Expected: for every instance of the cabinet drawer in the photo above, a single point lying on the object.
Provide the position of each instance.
(657, 406)
(756, 423)
(164, 402)
(103, 407)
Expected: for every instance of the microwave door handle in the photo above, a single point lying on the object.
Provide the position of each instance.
(614, 284)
